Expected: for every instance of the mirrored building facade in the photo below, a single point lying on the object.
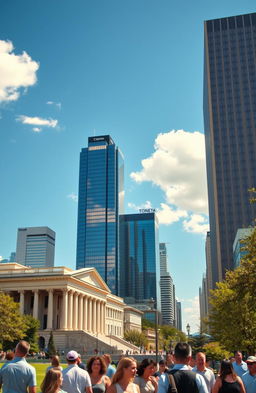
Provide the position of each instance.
(100, 201)
(139, 258)
(230, 131)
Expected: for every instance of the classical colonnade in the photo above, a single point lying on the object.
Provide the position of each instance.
(79, 311)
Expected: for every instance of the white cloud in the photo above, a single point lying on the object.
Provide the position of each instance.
(57, 104)
(146, 205)
(16, 72)
(177, 166)
(73, 196)
(191, 314)
(196, 224)
(37, 121)
(37, 129)
(167, 215)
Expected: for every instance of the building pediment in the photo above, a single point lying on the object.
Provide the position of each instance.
(92, 277)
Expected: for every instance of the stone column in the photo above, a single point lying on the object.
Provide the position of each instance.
(22, 301)
(80, 312)
(70, 309)
(102, 318)
(64, 311)
(89, 324)
(50, 309)
(85, 318)
(94, 316)
(75, 311)
(35, 305)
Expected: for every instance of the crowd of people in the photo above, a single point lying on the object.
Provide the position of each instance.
(177, 373)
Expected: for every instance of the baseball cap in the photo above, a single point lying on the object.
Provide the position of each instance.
(251, 359)
(72, 355)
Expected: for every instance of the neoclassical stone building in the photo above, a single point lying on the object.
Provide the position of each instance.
(76, 305)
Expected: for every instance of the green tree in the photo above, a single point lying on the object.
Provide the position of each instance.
(214, 351)
(135, 337)
(12, 324)
(51, 346)
(169, 336)
(233, 316)
(31, 332)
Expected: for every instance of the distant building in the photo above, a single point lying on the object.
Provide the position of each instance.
(178, 316)
(203, 302)
(12, 257)
(166, 289)
(35, 247)
(230, 129)
(100, 201)
(238, 253)
(139, 258)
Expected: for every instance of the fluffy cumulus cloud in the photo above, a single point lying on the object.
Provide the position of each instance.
(196, 223)
(177, 166)
(191, 314)
(39, 122)
(167, 215)
(16, 72)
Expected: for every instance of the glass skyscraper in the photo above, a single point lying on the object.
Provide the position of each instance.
(139, 258)
(100, 201)
(230, 131)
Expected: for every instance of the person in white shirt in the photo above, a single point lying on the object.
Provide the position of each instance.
(206, 373)
(75, 379)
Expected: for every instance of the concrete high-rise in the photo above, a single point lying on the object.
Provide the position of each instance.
(230, 129)
(166, 288)
(100, 201)
(35, 247)
(139, 258)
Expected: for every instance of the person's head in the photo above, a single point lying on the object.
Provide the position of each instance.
(55, 360)
(232, 359)
(146, 368)
(22, 349)
(9, 356)
(107, 359)
(251, 363)
(96, 365)
(162, 366)
(72, 357)
(169, 359)
(52, 381)
(238, 357)
(200, 361)
(182, 353)
(226, 368)
(126, 368)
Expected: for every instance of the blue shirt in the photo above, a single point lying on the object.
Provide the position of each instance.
(249, 382)
(163, 383)
(240, 369)
(110, 371)
(17, 376)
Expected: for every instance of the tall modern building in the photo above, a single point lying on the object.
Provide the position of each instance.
(178, 316)
(35, 247)
(230, 131)
(167, 289)
(100, 201)
(139, 258)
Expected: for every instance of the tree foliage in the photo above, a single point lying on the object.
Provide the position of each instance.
(51, 346)
(135, 337)
(31, 332)
(169, 336)
(12, 324)
(233, 315)
(214, 351)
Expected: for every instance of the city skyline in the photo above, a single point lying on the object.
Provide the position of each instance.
(134, 71)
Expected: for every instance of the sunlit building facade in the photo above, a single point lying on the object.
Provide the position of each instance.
(100, 201)
(230, 129)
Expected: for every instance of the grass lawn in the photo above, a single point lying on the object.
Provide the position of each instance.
(40, 371)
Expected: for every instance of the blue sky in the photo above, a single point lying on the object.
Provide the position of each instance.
(132, 69)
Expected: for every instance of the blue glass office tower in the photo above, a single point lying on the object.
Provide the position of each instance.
(139, 258)
(230, 131)
(100, 201)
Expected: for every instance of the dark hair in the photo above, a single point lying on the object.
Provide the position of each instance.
(103, 366)
(55, 360)
(23, 347)
(144, 364)
(182, 351)
(226, 368)
(9, 356)
(163, 362)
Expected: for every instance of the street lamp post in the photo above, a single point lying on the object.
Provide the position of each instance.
(152, 303)
(188, 330)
